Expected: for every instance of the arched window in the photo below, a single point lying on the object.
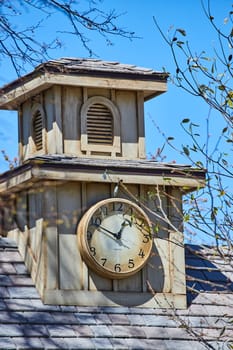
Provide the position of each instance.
(37, 135)
(37, 130)
(100, 126)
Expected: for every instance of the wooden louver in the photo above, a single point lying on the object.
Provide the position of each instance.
(37, 131)
(99, 125)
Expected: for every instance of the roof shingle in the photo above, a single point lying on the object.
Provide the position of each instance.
(26, 323)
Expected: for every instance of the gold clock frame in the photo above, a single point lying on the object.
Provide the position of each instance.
(84, 248)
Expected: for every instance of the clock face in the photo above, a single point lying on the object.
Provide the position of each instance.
(114, 238)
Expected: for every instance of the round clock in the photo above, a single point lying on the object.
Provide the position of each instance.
(114, 238)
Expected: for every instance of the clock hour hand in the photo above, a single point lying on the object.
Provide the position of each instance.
(126, 222)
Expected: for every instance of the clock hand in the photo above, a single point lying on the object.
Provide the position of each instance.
(118, 235)
(105, 229)
(126, 222)
(115, 235)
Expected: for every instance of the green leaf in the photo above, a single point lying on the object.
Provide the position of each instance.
(214, 213)
(204, 88)
(167, 178)
(224, 130)
(181, 31)
(170, 138)
(186, 151)
(221, 87)
(206, 58)
(230, 94)
(211, 90)
(222, 193)
(194, 148)
(199, 164)
(186, 120)
(203, 68)
(180, 43)
(229, 102)
(225, 162)
(213, 68)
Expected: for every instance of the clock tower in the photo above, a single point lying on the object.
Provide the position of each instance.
(95, 221)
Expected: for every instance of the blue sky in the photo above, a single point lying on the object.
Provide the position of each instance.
(167, 110)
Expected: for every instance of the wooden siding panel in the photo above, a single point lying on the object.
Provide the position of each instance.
(51, 238)
(141, 126)
(69, 213)
(20, 135)
(130, 284)
(158, 268)
(22, 211)
(97, 282)
(94, 193)
(98, 92)
(71, 102)
(126, 102)
(70, 263)
(32, 222)
(177, 258)
(57, 125)
(26, 129)
(159, 265)
(49, 108)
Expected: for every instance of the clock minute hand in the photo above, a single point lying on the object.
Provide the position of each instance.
(105, 229)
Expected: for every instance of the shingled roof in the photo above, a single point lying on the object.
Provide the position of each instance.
(98, 66)
(26, 323)
(39, 167)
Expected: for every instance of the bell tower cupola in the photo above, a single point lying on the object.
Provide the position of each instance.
(83, 107)
(95, 221)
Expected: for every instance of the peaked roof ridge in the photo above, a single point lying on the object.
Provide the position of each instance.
(92, 64)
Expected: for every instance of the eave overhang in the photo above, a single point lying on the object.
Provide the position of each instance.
(62, 169)
(85, 73)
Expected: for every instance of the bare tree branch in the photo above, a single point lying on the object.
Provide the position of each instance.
(19, 43)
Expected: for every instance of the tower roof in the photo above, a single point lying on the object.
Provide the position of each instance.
(83, 72)
(206, 324)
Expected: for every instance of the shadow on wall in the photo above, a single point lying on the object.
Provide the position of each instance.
(207, 271)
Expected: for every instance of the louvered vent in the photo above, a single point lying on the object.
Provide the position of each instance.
(99, 125)
(37, 131)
